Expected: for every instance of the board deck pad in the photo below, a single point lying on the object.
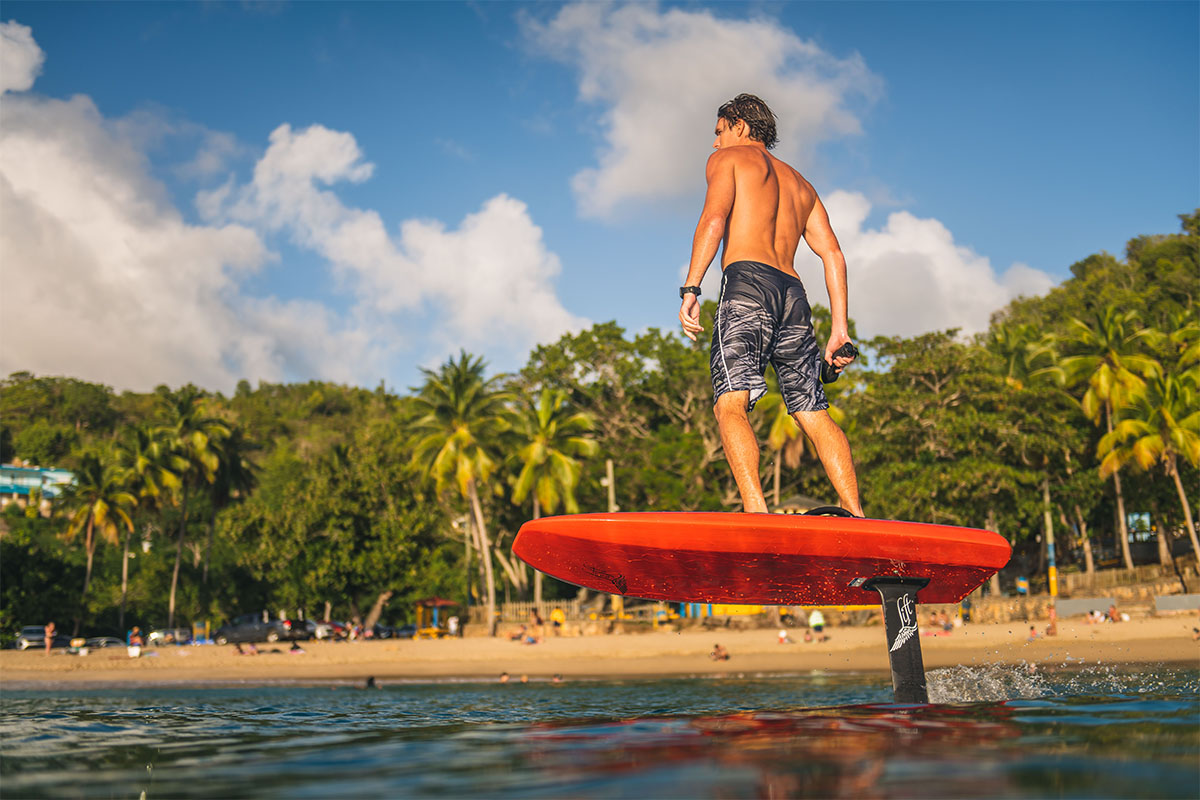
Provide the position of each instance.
(757, 559)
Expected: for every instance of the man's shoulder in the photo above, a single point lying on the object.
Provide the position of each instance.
(780, 164)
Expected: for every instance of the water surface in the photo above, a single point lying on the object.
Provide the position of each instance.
(991, 732)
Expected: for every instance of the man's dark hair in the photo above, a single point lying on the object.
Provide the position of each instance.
(755, 113)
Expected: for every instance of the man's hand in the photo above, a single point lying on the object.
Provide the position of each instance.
(689, 316)
(836, 340)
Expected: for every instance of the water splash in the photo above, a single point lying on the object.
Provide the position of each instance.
(1029, 681)
(987, 684)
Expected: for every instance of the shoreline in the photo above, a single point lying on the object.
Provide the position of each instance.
(1166, 640)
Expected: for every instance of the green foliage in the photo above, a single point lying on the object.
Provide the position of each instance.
(46, 444)
(287, 496)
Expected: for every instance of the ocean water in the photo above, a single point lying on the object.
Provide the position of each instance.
(991, 731)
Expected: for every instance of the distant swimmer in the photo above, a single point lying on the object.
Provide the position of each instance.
(759, 208)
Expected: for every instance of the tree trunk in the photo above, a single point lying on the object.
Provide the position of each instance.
(1088, 560)
(1122, 525)
(178, 559)
(485, 552)
(467, 536)
(90, 549)
(778, 458)
(377, 610)
(124, 580)
(212, 523)
(1172, 465)
(1160, 533)
(537, 575)
(89, 544)
(514, 575)
(994, 583)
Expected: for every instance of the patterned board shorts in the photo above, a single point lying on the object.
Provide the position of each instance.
(763, 317)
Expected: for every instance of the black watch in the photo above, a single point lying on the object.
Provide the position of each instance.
(689, 290)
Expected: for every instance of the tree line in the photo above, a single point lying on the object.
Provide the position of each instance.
(1074, 412)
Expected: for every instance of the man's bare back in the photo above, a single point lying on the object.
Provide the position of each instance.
(772, 202)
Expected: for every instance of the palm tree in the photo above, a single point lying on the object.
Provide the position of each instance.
(1025, 355)
(552, 436)
(1107, 359)
(462, 419)
(1162, 424)
(783, 434)
(150, 472)
(192, 438)
(97, 503)
(234, 479)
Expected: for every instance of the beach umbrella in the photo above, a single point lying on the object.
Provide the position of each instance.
(435, 603)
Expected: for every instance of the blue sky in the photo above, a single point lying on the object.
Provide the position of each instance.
(350, 191)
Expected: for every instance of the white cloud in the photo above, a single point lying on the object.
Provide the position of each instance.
(659, 77)
(20, 57)
(104, 280)
(487, 284)
(909, 276)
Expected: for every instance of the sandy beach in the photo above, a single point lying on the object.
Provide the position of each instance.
(858, 649)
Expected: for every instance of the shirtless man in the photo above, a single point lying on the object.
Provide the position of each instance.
(760, 207)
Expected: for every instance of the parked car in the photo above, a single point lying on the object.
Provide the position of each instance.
(252, 628)
(169, 636)
(297, 629)
(405, 632)
(35, 636)
(319, 630)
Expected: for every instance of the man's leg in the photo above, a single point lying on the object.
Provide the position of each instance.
(834, 451)
(741, 448)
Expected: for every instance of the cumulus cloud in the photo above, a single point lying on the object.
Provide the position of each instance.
(20, 57)
(909, 276)
(488, 282)
(659, 77)
(104, 280)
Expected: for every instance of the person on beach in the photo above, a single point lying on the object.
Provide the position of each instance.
(48, 632)
(719, 653)
(759, 208)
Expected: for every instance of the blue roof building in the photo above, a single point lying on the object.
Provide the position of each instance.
(16, 482)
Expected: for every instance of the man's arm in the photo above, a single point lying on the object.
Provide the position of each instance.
(818, 233)
(718, 201)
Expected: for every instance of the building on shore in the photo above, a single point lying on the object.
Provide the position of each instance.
(19, 482)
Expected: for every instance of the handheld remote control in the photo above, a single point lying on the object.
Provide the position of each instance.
(828, 373)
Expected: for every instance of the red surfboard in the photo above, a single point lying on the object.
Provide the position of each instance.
(758, 559)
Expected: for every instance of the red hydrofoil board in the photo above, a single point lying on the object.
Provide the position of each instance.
(758, 559)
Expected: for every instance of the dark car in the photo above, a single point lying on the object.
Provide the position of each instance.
(252, 628)
(405, 632)
(298, 629)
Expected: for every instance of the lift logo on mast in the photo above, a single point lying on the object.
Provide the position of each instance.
(908, 622)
